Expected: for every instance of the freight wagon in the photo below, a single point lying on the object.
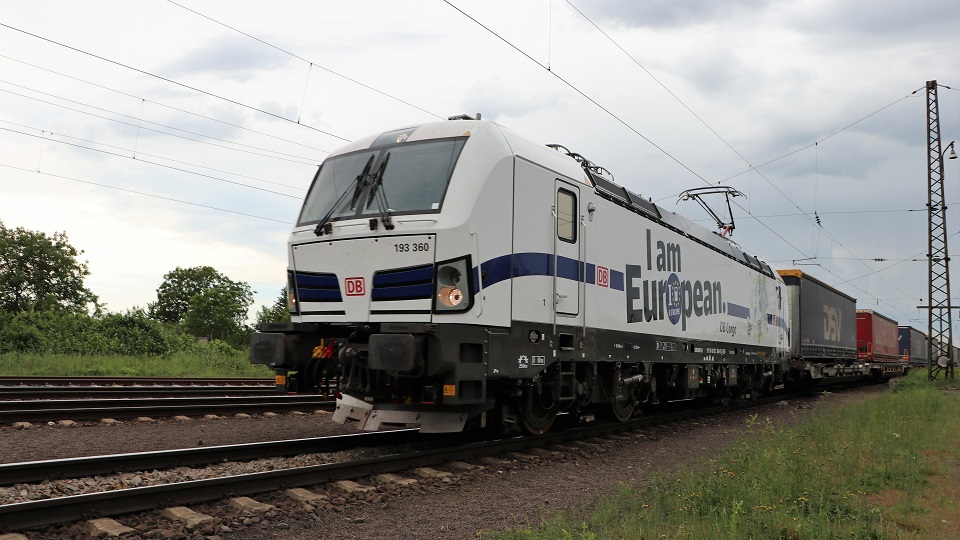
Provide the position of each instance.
(877, 343)
(823, 331)
(912, 345)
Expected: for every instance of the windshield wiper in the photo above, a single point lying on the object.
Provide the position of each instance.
(377, 192)
(359, 183)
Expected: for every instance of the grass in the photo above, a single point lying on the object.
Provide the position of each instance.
(882, 468)
(207, 363)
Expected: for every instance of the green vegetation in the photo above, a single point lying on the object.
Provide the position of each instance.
(112, 344)
(881, 468)
(205, 302)
(50, 323)
(41, 272)
(206, 360)
(277, 311)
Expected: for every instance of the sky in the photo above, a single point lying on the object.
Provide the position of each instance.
(162, 134)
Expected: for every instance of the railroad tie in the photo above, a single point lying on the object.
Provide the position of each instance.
(106, 527)
(352, 487)
(186, 516)
(394, 479)
(246, 504)
(305, 495)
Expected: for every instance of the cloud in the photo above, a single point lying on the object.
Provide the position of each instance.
(235, 58)
(669, 13)
(863, 23)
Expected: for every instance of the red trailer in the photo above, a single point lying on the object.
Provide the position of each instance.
(876, 337)
(877, 344)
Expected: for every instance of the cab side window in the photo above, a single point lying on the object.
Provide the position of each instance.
(566, 216)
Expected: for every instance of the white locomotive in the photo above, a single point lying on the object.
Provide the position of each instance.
(455, 274)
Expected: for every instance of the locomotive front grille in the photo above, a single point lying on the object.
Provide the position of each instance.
(318, 287)
(414, 283)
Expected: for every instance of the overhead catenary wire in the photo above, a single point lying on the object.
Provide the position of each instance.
(133, 191)
(581, 92)
(177, 83)
(300, 161)
(312, 64)
(675, 159)
(822, 139)
(165, 158)
(652, 76)
(819, 226)
(297, 197)
(164, 105)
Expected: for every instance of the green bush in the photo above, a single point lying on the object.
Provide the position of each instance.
(130, 333)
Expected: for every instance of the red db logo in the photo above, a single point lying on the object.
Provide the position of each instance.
(603, 277)
(354, 286)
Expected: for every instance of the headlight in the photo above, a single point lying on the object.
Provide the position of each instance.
(452, 291)
(292, 304)
(450, 296)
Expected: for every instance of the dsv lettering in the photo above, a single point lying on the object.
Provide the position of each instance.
(831, 323)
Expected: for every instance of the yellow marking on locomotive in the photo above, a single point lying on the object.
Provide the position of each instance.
(449, 389)
(281, 380)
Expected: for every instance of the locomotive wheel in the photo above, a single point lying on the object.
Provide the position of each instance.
(538, 420)
(315, 370)
(623, 407)
(534, 416)
(725, 398)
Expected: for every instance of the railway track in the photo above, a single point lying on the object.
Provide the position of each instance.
(131, 381)
(95, 409)
(60, 392)
(38, 471)
(102, 387)
(45, 512)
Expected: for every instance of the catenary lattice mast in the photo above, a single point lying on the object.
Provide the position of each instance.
(939, 346)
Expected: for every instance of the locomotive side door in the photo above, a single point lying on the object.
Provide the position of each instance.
(566, 265)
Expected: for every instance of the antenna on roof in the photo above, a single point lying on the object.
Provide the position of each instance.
(727, 191)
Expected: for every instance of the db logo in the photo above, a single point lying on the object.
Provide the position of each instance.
(603, 276)
(354, 286)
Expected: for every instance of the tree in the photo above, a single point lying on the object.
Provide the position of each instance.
(206, 302)
(219, 312)
(178, 289)
(277, 311)
(41, 272)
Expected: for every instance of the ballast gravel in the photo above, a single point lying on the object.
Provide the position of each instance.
(493, 494)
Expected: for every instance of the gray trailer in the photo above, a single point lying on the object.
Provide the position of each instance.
(823, 330)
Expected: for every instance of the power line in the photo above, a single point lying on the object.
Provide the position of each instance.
(144, 194)
(153, 155)
(766, 226)
(312, 64)
(838, 212)
(171, 81)
(171, 107)
(652, 76)
(818, 141)
(141, 121)
(159, 131)
(577, 90)
(610, 113)
(150, 162)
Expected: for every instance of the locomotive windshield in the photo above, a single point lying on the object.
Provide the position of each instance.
(409, 177)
